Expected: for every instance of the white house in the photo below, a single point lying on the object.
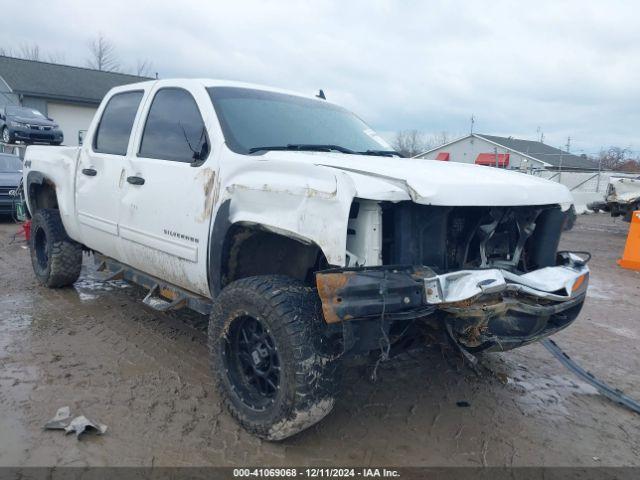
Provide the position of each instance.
(507, 152)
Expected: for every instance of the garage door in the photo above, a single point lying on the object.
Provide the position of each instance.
(71, 119)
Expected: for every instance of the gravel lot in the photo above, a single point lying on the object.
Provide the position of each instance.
(97, 349)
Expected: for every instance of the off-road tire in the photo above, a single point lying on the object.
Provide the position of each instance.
(290, 313)
(56, 259)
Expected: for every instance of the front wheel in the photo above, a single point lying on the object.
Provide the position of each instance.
(6, 135)
(266, 355)
(56, 259)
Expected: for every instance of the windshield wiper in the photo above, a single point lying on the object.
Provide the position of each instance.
(302, 147)
(381, 153)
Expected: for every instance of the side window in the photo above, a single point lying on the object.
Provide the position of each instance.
(114, 129)
(174, 129)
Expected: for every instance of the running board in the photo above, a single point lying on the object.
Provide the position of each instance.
(611, 393)
(159, 303)
(161, 296)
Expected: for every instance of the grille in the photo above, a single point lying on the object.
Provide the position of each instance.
(4, 191)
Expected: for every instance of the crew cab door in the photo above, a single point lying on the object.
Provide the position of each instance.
(171, 189)
(100, 171)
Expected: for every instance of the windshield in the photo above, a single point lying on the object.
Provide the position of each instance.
(24, 112)
(10, 163)
(254, 120)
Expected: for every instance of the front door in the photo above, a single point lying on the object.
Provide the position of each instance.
(171, 190)
(100, 172)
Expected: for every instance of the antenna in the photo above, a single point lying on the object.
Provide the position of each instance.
(568, 144)
(473, 120)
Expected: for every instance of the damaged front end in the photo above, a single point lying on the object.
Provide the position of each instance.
(492, 278)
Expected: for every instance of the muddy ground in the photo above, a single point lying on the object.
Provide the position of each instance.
(97, 349)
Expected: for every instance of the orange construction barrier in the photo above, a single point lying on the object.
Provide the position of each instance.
(631, 256)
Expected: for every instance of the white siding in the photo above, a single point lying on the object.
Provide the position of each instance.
(466, 150)
(71, 118)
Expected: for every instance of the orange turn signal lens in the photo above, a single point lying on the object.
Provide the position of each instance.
(579, 282)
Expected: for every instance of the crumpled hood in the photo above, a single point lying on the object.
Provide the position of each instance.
(432, 182)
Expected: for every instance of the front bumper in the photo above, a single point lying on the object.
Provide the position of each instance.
(489, 309)
(36, 135)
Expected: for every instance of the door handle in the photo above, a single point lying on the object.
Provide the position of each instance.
(135, 180)
(91, 172)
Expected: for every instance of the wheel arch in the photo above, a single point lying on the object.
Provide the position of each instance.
(244, 249)
(40, 192)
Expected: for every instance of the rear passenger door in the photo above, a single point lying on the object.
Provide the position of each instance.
(100, 171)
(172, 186)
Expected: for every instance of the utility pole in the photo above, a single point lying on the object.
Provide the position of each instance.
(495, 153)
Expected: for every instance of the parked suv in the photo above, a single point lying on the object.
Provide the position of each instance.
(302, 235)
(28, 125)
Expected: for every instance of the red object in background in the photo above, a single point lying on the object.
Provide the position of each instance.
(489, 159)
(26, 228)
(443, 156)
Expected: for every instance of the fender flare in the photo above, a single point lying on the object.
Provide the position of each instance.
(221, 226)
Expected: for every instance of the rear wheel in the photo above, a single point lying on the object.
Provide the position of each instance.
(56, 259)
(266, 355)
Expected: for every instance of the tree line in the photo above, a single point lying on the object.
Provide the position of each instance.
(101, 55)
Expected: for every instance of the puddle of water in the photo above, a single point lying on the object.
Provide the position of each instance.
(549, 394)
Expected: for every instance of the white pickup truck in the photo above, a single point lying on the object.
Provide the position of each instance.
(302, 234)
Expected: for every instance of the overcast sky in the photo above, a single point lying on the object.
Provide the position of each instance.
(571, 68)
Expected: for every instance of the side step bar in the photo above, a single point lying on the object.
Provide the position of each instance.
(162, 296)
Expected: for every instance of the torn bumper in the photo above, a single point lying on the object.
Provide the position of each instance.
(487, 309)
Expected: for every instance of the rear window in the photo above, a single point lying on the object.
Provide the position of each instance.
(114, 130)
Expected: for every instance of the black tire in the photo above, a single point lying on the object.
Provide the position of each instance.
(628, 215)
(6, 135)
(56, 259)
(570, 218)
(56, 144)
(305, 379)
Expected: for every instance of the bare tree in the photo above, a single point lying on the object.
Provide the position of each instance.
(30, 51)
(438, 139)
(143, 67)
(7, 52)
(56, 57)
(409, 143)
(613, 158)
(103, 54)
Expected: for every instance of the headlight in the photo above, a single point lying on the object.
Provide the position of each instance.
(17, 124)
(55, 125)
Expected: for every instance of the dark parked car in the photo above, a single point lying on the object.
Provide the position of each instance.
(28, 125)
(10, 176)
